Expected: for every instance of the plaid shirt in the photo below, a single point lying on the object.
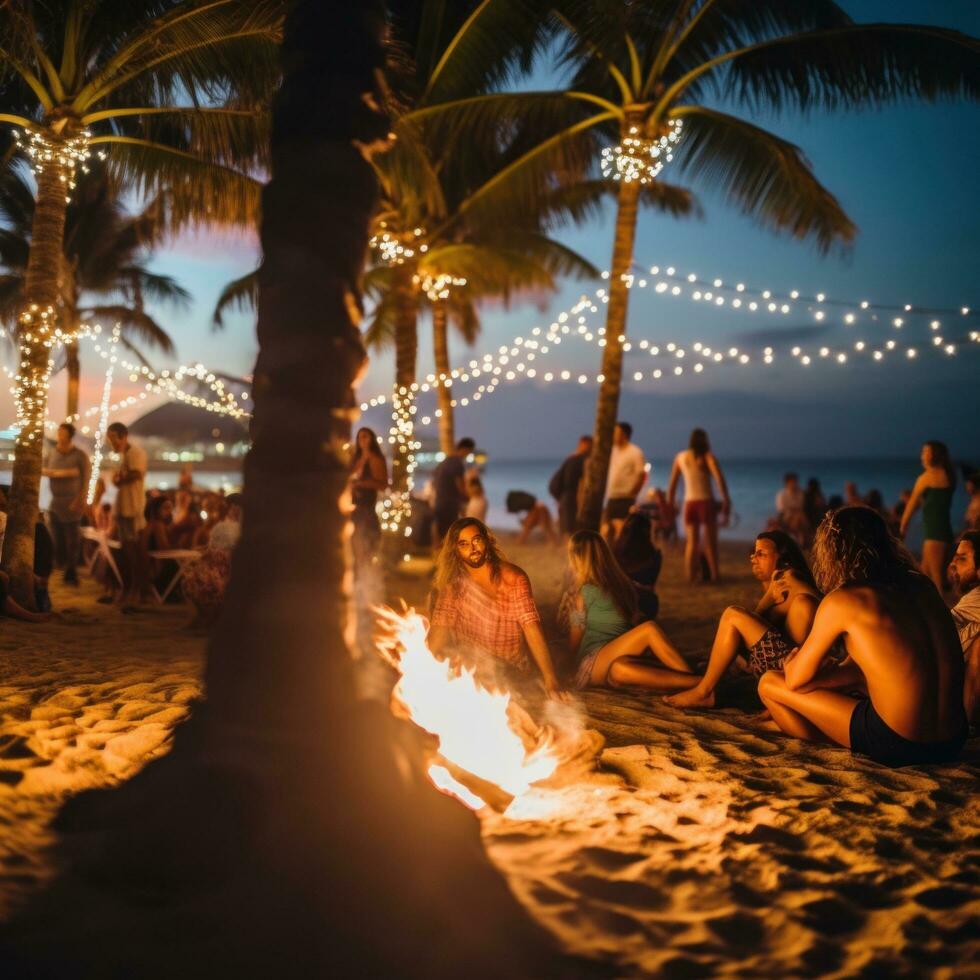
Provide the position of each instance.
(493, 624)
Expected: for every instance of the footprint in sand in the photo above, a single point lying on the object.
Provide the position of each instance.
(15, 747)
(943, 897)
(633, 894)
(610, 860)
(831, 917)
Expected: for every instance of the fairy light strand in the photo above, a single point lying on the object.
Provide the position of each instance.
(100, 432)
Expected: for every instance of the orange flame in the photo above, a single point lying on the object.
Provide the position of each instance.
(469, 721)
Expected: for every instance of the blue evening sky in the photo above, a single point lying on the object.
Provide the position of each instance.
(907, 175)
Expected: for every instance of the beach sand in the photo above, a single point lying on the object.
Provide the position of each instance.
(717, 852)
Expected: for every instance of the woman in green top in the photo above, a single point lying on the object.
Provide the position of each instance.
(610, 649)
(934, 491)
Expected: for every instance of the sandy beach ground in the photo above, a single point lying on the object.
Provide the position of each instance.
(717, 852)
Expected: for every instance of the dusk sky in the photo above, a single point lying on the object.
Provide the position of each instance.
(908, 178)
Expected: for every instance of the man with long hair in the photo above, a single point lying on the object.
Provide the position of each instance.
(483, 605)
(902, 646)
(781, 621)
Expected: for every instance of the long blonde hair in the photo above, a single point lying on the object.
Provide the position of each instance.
(593, 563)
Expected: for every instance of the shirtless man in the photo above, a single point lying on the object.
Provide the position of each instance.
(781, 621)
(483, 604)
(902, 645)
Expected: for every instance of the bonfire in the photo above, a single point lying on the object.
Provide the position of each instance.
(487, 749)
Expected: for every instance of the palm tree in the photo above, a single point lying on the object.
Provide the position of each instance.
(638, 70)
(290, 815)
(175, 92)
(106, 250)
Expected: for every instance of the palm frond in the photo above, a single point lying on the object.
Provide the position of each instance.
(864, 65)
(239, 294)
(135, 323)
(158, 288)
(190, 191)
(767, 177)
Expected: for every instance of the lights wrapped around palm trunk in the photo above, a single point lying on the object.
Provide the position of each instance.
(438, 286)
(395, 248)
(69, 154)
(638, 158)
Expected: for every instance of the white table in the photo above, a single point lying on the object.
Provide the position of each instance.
(104, 547)
(183, 557)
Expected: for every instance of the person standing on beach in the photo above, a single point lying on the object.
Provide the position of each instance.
(130, 506)
(482, 604)
(934, 491)
(566, 483)
(964, 576)
(627, 471)
(698, 465)
(368, 477)
(782, 619)
(67, 469)
(791, 507)
(449, 488)
(902, 649)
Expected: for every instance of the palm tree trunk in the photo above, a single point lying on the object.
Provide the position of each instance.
(440, 347)
(73, 368)
(290, 816)
(607, 403)
(406, 356)
(41, 292)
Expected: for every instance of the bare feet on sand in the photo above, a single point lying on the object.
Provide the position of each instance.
(692, 698)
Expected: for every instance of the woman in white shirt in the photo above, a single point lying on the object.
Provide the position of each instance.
(698, 466)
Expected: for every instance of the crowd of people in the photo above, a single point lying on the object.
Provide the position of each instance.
(853, 644)
(135, 543)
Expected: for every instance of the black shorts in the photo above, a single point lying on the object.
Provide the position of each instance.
(618, 508)
(870, 736)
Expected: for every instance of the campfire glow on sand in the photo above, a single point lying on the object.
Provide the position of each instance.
(473, 725)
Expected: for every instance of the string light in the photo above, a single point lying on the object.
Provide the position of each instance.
(100, 432)
(69, 154)
(38, 337)
(396, 248)
(397, 505)
(639, 158)
(439, 286)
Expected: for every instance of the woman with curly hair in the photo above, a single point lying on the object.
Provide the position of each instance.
(902, 648)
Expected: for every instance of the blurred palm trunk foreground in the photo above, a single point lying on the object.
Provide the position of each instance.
(291, 830)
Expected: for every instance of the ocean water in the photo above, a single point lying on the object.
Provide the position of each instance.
(752, 484)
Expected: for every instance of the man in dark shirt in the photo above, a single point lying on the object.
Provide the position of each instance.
(564, 485)
(449, 487)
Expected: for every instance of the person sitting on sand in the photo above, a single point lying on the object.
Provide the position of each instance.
(964, 576)
(781, 621)
(610, 649)
(641, 560)
(14, 609)
(483, 604)
(536, 514)
(902, 646)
